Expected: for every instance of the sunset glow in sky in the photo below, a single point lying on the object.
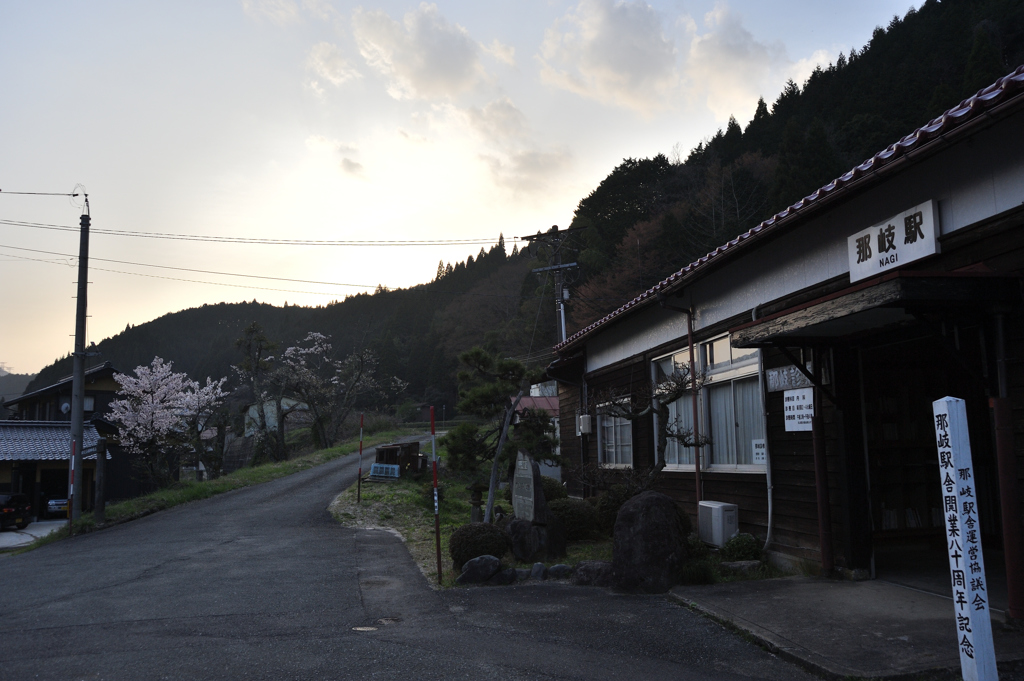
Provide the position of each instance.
(320, 120)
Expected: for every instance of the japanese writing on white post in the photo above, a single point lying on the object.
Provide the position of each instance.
(963, 539)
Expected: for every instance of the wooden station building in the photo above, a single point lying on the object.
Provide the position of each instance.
(894, 285)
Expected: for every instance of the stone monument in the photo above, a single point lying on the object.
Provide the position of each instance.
(535, 532)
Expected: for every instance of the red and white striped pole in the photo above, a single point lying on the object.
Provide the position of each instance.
(437, 512)
(359, 480)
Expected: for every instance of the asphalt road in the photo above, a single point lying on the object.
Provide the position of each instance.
(261, 583)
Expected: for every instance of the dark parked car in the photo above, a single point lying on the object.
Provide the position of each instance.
(15, 509)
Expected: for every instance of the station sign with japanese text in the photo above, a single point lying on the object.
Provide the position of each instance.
(903, 238)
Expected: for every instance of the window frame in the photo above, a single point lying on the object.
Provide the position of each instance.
(602, 415)
(744, 367)
(683, 352)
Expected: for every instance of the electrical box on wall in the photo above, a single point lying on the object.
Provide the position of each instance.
(583, 425)
(718, 522)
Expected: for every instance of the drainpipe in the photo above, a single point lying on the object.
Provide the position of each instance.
(1013, 547)
(767, 452)
(821, 476)
(688, 311)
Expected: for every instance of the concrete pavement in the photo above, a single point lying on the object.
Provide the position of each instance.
(261, 583)
(12, 538)
(869, 629)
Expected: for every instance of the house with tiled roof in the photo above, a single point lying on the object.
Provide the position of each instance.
(34, 459)
(53, 402)
(41, 417)
(821, 337)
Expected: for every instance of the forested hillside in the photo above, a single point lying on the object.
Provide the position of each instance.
(12, 385)
(652, 216)
(647, 219)
(417, 333)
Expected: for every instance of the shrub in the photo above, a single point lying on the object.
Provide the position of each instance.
(476, 539)
(698, 549)
(741, 547)
(553, 489)
(697, 572)
(579, 518)
(608, 505)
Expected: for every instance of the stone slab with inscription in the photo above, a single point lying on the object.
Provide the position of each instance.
(528, 500)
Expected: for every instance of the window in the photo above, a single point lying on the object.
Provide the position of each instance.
(730, 406)
(680, 412)
(614, 440)
(736, 419)
(734, 408)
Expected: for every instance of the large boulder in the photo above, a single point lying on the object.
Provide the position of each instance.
(592, 573)
(649, 546)
(479, 570)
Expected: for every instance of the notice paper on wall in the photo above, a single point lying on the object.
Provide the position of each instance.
(799, 408)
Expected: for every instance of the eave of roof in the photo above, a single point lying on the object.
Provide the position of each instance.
(1000, 95)
(99, 368)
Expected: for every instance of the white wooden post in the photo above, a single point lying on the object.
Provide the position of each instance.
(963, 539)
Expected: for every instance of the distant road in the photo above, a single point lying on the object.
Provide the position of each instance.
(261, 583)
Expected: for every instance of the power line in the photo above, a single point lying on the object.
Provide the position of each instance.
(251, 240)
(191, 281)
(39, 193)
(197, 271)
(218, 283)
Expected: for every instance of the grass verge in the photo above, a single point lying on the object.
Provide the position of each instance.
(190, 490)
(406, 506)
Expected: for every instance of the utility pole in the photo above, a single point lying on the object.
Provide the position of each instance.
(78, 373)
(556, 238)
(100, 507)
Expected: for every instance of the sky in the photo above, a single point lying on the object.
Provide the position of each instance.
(320, 120)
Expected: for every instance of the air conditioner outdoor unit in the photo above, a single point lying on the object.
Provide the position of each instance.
(718, 522)
(583, 426)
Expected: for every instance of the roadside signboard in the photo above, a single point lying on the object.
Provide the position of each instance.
(963, 540)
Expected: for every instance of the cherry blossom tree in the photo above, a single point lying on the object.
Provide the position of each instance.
(159, 416)
(197, 406)
(148, 418)
(329, 387)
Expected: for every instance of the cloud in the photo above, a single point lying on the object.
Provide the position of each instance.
(615, 53)
(321, 143)
(325, 60)
(279, 11)
(730, 69)
(506, 54)
(498, 120)
(515, 159)
(351, 167)
(528, 171)
(423, 57)
(320, 9)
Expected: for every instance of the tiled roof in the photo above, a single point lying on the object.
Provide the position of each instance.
(548, 404)
(1006, 89)
(42, 441)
